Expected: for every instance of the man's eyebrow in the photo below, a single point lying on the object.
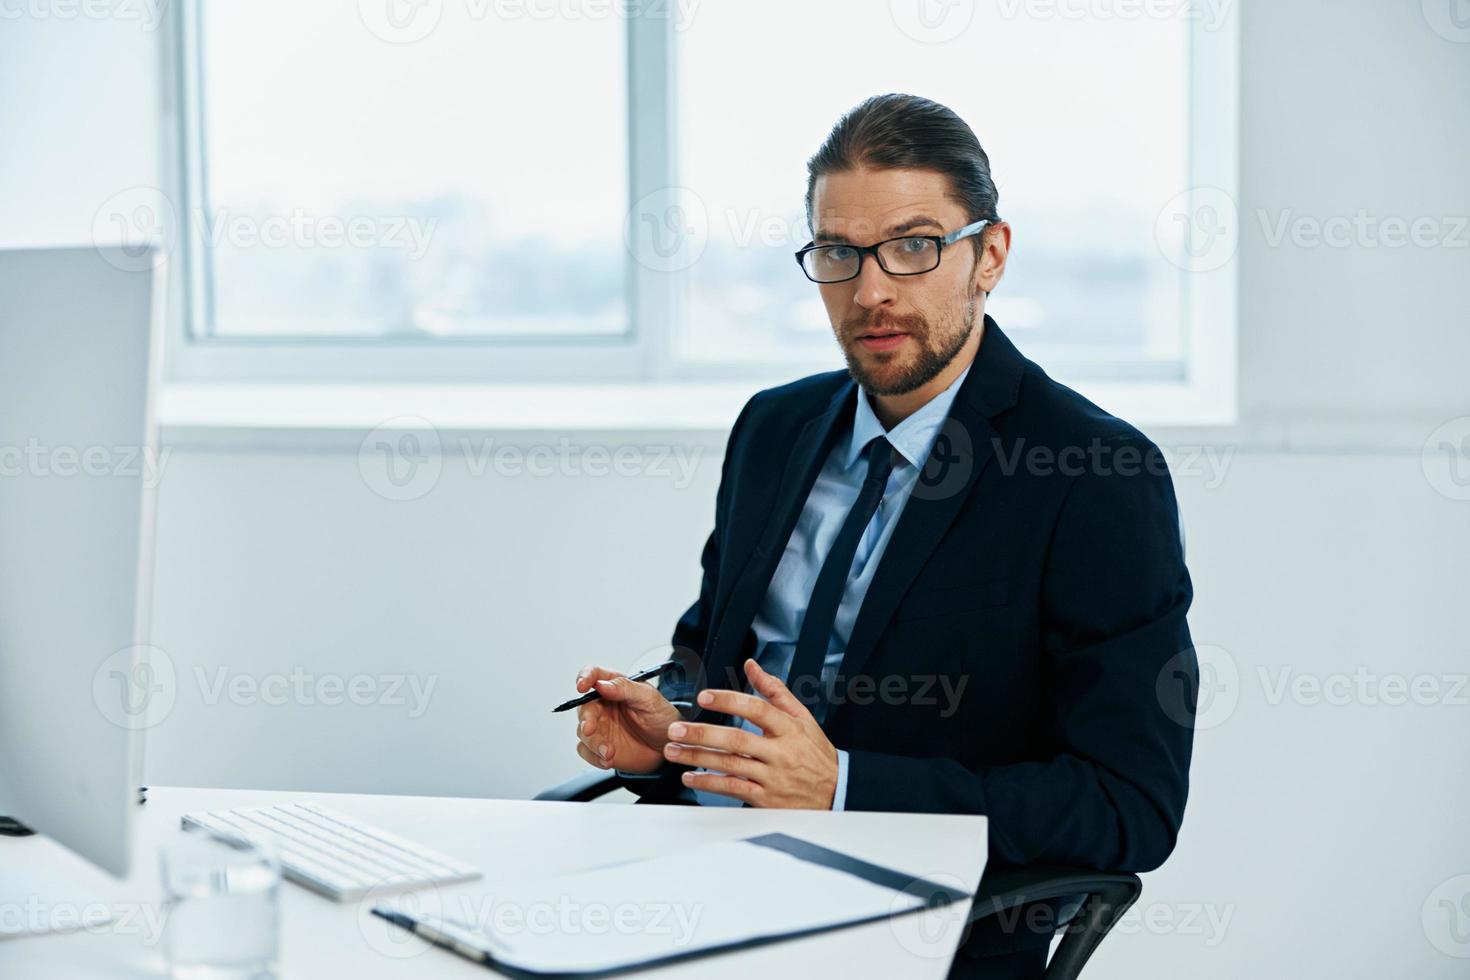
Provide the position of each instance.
(893, 231)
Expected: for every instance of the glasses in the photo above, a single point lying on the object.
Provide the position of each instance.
(912, 255)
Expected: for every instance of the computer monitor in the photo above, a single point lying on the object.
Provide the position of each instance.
(80, 343)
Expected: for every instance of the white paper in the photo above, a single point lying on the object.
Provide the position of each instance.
(703, 897)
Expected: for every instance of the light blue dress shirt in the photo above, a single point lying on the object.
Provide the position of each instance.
(778, 621)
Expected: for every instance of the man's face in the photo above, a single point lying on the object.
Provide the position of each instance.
(897, 332)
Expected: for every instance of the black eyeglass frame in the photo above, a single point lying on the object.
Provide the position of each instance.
(863, 251)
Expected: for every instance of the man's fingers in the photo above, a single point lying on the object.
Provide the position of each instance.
(592, 736)
(733, 786)
(774, 691)
(727, 762)
(770, 719)
(591, 674)
(724, 737)
(633, 693)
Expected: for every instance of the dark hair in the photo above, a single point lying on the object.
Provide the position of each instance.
(888, 132)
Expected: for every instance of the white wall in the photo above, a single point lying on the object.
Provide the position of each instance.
(1316, 832)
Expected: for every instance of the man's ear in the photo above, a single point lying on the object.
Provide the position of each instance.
(995, 247)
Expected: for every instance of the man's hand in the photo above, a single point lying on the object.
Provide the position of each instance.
(627, 729)
(790, 764)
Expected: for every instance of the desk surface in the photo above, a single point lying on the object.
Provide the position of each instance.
(509, 838)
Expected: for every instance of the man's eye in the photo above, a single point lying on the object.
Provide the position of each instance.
(915, 245)
(840, 253)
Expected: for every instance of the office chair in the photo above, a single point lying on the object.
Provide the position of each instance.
(1099, 899)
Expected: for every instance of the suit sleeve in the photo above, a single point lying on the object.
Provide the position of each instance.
(1121, 682)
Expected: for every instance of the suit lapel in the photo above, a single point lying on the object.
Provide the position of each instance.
(805, 460)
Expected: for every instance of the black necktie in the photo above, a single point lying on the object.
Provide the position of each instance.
(804, 678)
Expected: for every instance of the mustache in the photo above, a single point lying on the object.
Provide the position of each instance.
(911, 323)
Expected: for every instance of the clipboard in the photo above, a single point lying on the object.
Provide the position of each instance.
(817, 890)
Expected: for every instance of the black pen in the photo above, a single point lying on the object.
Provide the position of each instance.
(592, 695)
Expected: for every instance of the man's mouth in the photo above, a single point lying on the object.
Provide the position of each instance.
(881, 339)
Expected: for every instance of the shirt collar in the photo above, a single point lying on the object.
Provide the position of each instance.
(913, 437)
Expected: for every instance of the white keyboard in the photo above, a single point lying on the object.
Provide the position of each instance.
(334, 854)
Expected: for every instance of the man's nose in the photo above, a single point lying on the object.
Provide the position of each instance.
(873, 287)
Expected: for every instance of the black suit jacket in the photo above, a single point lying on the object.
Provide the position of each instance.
(1038, 562)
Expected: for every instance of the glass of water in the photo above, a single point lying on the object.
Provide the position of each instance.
(221, 900)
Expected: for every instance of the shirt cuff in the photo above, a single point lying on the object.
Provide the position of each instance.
(641, 775)
(839, 797)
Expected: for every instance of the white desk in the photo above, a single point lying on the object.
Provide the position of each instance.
(320, 938)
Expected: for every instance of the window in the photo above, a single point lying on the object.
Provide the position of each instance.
(574, 191)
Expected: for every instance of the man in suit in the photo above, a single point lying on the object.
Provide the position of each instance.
(938, 581)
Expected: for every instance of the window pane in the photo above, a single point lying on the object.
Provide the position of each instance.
(1084, 121)
(377, 178)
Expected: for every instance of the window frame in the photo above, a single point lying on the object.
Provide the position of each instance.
(1201, 393)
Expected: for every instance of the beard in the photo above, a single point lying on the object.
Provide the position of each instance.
(938, 347)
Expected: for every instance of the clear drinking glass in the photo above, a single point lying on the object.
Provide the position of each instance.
(221, 901)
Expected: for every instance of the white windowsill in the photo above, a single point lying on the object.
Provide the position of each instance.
(235, 414)
(318, 416)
